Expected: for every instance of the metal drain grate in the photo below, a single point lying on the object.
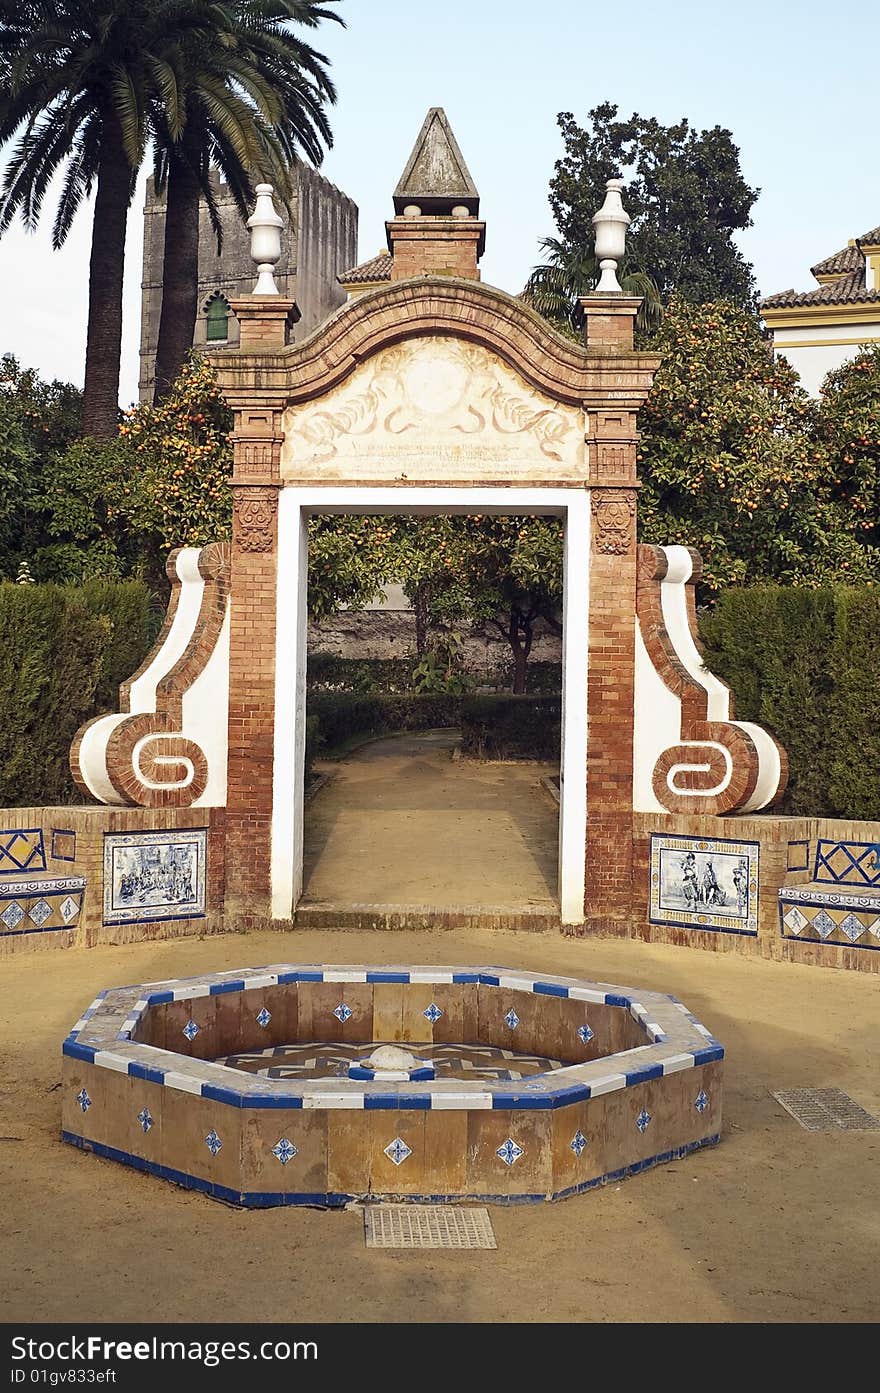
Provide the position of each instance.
(427, 1226)
(826, 1110)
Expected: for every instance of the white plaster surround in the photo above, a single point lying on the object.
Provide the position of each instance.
(205, 704)
(429, 409)
(815, 350)
(658, 710)
(295, 506)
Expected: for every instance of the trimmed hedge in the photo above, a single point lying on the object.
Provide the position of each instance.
(343, 715)
(368, 675)
(806, 664)
(511, 727)
(63, 652)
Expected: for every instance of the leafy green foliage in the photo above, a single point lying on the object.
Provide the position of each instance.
(179, 461)
(63, 649)
(685, 194)
(511, 727)
(442, 667)
(555, 288)
(850, 432)
(342, 716)
(806, 664)
(731, 459)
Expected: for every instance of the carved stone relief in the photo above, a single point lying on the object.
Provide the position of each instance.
(434, 408)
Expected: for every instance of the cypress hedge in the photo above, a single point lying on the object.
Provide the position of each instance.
(511, 727)
(806, 664)
(63, 652)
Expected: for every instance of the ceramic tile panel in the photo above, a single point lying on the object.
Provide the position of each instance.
(155, 875)
(704, 883)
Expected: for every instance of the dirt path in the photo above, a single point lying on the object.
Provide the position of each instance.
(775, 1224)
(400, 822)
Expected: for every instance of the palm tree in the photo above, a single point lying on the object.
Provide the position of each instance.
(246, 96)
(74, 83)
(555, 288)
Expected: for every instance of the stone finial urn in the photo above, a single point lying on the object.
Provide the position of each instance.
(610, 222)
(265, 226)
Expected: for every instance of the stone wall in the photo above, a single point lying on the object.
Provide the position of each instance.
(316, 245)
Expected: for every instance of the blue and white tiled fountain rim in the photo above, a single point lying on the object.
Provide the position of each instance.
(677, 1041)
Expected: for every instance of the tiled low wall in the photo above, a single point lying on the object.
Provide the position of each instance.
(133, 1092)
(167, 867)
(779, 852)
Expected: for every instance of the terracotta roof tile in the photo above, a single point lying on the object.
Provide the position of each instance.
(378, 268)
(847, 290)
(847, 259)
(872, 238)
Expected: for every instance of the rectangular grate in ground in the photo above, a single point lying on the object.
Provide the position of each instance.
(427, 1226)
(826, 1110)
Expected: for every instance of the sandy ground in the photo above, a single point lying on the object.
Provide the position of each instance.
(775, 1224)
(490, 838)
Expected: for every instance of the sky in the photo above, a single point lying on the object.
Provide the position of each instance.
(794, 82)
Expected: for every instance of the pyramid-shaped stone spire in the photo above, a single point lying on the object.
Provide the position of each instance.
(436, 178)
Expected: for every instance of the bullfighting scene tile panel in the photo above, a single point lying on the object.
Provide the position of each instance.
(704, 884)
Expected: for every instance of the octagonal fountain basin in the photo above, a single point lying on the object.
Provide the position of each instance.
(320, 1085)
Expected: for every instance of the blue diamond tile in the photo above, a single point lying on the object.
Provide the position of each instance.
(264, 1017)
(643, 1120)
(84, 1100)
(509, 1152)
(397, 1151)
(145, 1118)
(342, 1012)
(701, 1102)
(12, 915)
(578, 1143)
(512, 1019)
(213, 1142)
(824, 924)
(585, 1034)
(39, 913)
(284, 1150)
(852, 927)
(190, 1030)
(433, 1013)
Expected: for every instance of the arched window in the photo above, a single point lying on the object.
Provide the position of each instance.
(217, 319)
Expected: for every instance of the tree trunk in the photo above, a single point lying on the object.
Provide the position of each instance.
(420, 604)
(100, 416)
(180, 268)
(520, 638)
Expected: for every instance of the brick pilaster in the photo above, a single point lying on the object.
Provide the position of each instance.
(256, 485)
(611, 464)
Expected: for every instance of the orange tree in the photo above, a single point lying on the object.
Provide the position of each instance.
(850, 432)
(732, 459)
(184, 492)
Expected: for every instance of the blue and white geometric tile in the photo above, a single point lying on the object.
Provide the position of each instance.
(512, 1019)
(84, 1100)
(433, 1013)
(852, 927)
(190, 1030)
(874, 928)
(40, 912)
(643, 1120)
(213, 1142)
(795, 921)
(343, 1012)
(578, 1143)
(69, 909)
(585, 1034)
(12, 915)
(509, 1152)
(263, 1017)
(397, 1151)
(145, 1118)
(284, 1150)
(824, 924)
(701, 1102)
